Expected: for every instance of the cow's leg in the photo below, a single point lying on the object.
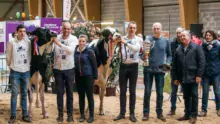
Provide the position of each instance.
(37, 91)
(30, 96)
(101, 96)
(44, 112)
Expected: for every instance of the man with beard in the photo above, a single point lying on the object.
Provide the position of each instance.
(174, 45)
(188, 67)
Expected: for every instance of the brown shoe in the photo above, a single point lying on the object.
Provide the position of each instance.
(183, 118)
(192, 120)
(145, 117)
(218, 112)
(162, 118)
(172, 112)
(202, 114)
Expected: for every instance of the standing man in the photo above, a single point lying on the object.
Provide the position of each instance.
(18, 60)
(188, 68)
(129, 70)
(160, 50)
(64, 70)
(174, 45)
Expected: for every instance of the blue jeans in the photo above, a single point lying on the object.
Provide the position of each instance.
(22, 79)
(148, 80)
(173, 95)
(205, 95)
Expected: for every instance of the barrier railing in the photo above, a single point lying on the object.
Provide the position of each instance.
(4, 75)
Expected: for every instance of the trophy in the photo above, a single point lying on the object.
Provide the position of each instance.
(146, 51)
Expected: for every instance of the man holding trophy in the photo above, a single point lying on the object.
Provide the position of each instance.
(156, 49)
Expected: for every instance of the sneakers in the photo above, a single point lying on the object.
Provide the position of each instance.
(26, 119)
(12, 120)
(202, 114)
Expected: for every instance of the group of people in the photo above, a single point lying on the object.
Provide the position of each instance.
(191, 63)
(75, 61)
(72, 59)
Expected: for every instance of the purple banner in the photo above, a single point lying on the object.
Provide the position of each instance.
(54, 24)
(2, 44)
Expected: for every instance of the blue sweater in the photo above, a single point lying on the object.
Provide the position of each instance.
(160, 54)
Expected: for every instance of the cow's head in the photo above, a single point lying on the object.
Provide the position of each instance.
(44, 35)
(110, 33)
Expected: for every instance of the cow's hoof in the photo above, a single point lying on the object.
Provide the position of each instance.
(45, 116)
(30, 114)
(102, 113)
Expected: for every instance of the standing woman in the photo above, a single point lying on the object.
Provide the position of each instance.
(86, 73)
(212, 71)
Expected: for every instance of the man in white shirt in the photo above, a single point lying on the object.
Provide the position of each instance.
(64, 70)
(18, 60)
(129, 70)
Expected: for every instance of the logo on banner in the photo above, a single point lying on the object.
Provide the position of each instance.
(66, 9)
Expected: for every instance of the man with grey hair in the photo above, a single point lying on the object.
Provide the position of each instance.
(174, 45)
(160, 49)
(188, 67)
(64, 70)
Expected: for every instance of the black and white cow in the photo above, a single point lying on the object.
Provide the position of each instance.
(41, 59)
(104, 48)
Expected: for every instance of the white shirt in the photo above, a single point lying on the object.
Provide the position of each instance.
(18, 55)
(64, 55)
(130, 52)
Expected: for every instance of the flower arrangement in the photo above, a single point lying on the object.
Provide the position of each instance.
(87, 28)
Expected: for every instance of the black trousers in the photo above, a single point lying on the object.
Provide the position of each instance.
(128, 72)
(64, 79)
(84, 85)
(190, 95)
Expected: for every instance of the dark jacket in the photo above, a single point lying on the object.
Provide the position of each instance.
(189, 64)
(212, 67)
(174, 45)
(85, 63)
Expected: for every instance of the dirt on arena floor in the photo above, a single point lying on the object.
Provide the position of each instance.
(111, 105)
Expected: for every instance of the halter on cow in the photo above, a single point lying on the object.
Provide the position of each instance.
(41, 62)
(104, 49)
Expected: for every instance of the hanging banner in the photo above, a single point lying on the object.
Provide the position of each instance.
(54, 24)
(66, 10)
